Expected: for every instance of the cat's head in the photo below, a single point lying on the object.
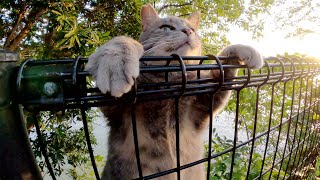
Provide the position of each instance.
(170, 35)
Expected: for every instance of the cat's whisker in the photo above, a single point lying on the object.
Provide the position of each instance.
(151, 50)
(157, 47)
(152, 39)
(171, 45)
(148, 44)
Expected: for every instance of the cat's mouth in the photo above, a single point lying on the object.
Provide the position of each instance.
(180, 46)
(186, 43)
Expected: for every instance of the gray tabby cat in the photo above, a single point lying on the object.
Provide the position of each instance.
(115, 65)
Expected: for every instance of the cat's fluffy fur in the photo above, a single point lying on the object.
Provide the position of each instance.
(115, 65)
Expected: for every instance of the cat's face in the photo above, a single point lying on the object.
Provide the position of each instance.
(171, 35)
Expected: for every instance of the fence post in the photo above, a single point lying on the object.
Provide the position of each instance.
(16, 157)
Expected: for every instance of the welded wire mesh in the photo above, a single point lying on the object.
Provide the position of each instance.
(277, 106)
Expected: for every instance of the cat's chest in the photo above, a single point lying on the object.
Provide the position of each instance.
(165, 113)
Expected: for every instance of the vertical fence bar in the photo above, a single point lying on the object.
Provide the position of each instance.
(290, 116)
(296, 124)
(281, 116)
(311, 136)
(236, 123)
(76, 66)
(17, 159)
(279, 132)
(255, 122)
(221, 77)
(316, 109)
(254, 133)
(87, 135)
(43, 145)
(309, 139)
(269, 127)
(210, 136)
(135, 140)
(177, 110)
(302, 126)
(177, 100)
(307, 125)
(235, 137)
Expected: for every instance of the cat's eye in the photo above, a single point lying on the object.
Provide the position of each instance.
(167, 27)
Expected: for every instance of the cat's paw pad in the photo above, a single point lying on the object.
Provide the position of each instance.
(115, 65)
(246, 54)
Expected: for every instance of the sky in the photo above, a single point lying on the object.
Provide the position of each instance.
(274, 42)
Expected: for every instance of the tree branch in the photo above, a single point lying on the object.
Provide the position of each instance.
(32, 18)
(174, 5)
(16, 25)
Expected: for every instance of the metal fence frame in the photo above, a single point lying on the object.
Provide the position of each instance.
(67, 74)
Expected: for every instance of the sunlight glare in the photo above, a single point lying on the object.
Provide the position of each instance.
(274, 42)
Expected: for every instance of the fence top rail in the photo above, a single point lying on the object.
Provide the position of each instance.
(63, 84)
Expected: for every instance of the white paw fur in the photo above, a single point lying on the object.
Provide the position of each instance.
(115, 65)
(247, 55)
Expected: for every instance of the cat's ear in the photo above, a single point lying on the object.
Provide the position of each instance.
(194, 19)
(148, 15)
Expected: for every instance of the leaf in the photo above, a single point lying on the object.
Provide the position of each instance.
(69, 34)
(56, 12)
(61, 42)
(98, 158)
(106, 34)
(77, 39)
(71, 41)
(317, 167)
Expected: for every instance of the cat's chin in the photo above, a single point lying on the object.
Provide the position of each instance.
(190, 47)
(181, 49)
(184, 45)
(187, 50)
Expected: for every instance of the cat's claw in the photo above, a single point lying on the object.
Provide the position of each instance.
(247, 55)
(115, 65)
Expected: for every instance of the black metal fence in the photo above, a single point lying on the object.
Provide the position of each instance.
(277, 106)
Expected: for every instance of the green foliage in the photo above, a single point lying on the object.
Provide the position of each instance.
(65, 28)
(85, 171)
(69, 28)
(74, 34)
(220, 166)
(46, 29)
(298, 19)
(317, 167)
(64, 137)
(273, 99)
(218, 17)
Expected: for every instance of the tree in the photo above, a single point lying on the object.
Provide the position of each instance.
(68, 28)
(18, 18)
(218, 17)
(48, 29)
(64, 138)
(298, 18)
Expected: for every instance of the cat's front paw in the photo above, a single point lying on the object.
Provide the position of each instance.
(246, 54)
(115, 65)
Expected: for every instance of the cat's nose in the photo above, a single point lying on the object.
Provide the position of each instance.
(187, 31)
